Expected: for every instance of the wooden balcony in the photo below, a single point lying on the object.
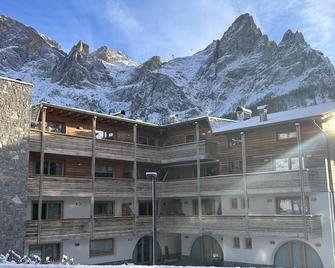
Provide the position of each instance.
(262, 226)
(58, 230)
(274, 225)
(56, 143)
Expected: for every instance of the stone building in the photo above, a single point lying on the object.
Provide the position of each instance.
(15, 103)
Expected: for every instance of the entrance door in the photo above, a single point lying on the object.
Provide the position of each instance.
(206, 251)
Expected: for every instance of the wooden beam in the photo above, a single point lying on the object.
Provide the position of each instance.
(40, 192)
(135, 205)
(197, 139)
(94, 125)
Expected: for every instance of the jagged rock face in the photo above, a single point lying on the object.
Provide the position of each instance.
(242, 68)
(111, 56)
(80, 69)
(20, 44)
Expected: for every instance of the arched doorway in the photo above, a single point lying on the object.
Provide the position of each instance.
(206, 251)
(142, 253)
(297, 254)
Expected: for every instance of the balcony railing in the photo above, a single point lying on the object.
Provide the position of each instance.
(258, 225)
(112, 149)
(268, 226)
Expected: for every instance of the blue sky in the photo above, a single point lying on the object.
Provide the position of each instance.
(144, 28)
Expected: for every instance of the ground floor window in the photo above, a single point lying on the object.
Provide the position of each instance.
(102, 247)
(47, 250)
(297, 254)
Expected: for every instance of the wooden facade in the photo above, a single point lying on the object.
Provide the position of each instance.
(184, 147)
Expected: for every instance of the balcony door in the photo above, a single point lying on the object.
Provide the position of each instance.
(297, 254)
(206, 251)
(142, 253)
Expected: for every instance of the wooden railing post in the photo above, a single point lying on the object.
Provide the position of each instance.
(135, 205)
(302, 179)
(40, 190)
(94, 127)
(197, 138)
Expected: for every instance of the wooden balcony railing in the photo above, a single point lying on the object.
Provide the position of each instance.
(259, 225)
(104, 227)
(111, 149)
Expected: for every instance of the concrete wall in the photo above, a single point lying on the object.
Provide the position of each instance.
(15, 102)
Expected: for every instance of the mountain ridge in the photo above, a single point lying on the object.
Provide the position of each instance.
(243, 67)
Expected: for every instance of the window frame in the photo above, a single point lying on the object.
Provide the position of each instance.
(63, 127)
(99, 202)
(46, 203)
(292, 199)
(248, 243)
(43, 251)
(47, 165)
(236, 242)
(112, 252)
(192, 136)
(234, 203)
(104, 166)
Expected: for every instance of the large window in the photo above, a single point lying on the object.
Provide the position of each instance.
(103, 171)
(47, 250)
(208, 207)
(51, 210)
(236, 242)
(283, 164)
(55, 127)
(51, 168)
(291, 206)
(101, 247)
(248, 243)
(286, 135)
(189, 138)
(145, 208)
(104, 208)
(235, 166)
(146, 140)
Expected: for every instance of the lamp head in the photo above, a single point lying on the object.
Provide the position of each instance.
(151, 175)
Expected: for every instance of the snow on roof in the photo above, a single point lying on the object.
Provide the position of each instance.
(284, 116)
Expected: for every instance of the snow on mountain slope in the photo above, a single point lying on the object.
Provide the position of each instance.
(244, 67)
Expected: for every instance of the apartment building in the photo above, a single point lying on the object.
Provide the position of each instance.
(255, 190)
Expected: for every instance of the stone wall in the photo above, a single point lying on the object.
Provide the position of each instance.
(15, 104)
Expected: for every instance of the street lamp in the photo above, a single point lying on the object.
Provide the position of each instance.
(153, 176)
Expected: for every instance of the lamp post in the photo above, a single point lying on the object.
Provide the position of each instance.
(153, 176)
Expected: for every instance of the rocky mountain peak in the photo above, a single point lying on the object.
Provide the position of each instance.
(144, 69)
(293, 38)
(81, 48)
(112, 56)
(244, 24)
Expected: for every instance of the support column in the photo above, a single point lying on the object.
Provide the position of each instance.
(135, 203)
(94, 128)
(302, 179)
(197, 139)
(40, 190)
(245, 185)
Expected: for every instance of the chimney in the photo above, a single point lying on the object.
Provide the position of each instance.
(121, 114)
(174, 119)
(263, 112)
(243, 113)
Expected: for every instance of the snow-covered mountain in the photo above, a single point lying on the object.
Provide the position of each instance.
(244, 67)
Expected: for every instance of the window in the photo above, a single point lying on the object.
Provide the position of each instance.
(189, 138)
(286, 135)
(248, 243)
(233, 203)
(236, 242)
(107, 135)
(145, 208)
(283, 164)
(103, 171)
(207, 171)
(51, 168)
(48, 250)
(207, 207)
(243, 203)
(55, 127)
(234, 141)
(146, 140)
(101, 247)
(126, 210)
(104, 208)
(234, 166)
(291, 206)
(51, 210)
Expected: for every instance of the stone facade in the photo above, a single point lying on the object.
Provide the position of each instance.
(15, 104)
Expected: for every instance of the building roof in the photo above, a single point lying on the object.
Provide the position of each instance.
(211, 121)
(314, 111)
(15, 80)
